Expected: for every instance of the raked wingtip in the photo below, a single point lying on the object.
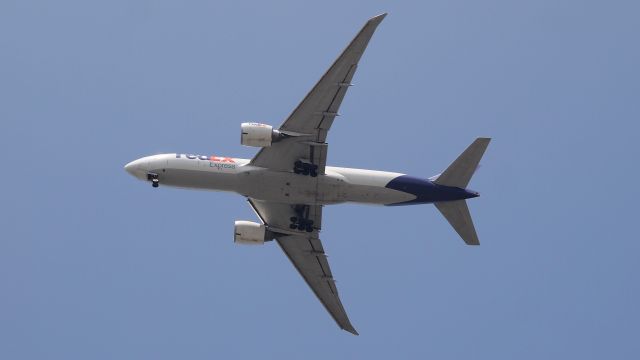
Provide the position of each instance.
(378, 18)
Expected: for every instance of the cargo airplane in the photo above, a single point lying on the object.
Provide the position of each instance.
(287, 182)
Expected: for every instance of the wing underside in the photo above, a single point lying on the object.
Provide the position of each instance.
(306, 252)
(313, 117)
(308, 257)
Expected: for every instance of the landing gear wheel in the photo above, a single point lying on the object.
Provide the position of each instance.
(309, 228)
(305, 168)
(293, 226)
(298, 167)
(153, 178)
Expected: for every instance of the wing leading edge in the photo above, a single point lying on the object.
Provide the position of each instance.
(313, 117)
(306, 253)
(308, 257)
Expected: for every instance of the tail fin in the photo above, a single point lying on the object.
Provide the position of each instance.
(458, 175)
(457, 214)
(461, 170)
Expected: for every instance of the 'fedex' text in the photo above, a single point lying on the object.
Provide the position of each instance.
(209, 158)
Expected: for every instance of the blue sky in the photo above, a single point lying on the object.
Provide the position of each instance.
(94, 264)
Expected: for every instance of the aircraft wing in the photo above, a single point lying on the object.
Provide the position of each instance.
(306, 252)
(309, 123)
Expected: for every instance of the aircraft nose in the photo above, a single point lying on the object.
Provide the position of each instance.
(136, 168)
(130, 167)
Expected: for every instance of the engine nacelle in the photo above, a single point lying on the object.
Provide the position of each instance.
(249, 233)
(259, 135)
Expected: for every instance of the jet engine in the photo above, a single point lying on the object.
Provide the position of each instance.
(249, 233)
(258, 135)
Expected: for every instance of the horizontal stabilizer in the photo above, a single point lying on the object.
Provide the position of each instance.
(461, 170)
(457, 214)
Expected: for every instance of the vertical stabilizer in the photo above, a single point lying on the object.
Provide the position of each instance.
(457, 214)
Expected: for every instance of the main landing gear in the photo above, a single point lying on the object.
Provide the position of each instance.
(301, 224)
(154, 179)
(305, 168)
(301, 221)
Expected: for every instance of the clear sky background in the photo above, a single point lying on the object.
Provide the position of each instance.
(97, 265)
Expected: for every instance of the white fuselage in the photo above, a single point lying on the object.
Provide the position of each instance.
(337, 185)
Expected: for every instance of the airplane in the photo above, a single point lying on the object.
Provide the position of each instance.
(287, 183)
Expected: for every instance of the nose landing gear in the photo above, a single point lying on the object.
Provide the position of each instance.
(154, 179)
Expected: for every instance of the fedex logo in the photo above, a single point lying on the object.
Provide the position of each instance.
(210, 158)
